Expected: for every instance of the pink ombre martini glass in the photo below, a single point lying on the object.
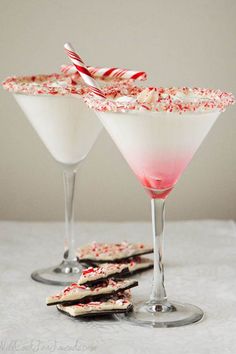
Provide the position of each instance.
(158, 131)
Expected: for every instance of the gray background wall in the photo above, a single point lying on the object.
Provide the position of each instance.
(178, 43)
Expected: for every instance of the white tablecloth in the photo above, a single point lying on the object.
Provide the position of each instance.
(200, 258)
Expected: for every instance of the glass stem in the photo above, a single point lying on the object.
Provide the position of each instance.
(158, 294)
(69, 176)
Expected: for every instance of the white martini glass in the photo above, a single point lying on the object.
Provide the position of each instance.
(158, 132)
(69, 130)
(53, 105)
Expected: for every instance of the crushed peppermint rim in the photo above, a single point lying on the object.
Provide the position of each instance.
(159, 99)
(56, 84)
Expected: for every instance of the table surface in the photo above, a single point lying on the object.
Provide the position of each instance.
(200, 263)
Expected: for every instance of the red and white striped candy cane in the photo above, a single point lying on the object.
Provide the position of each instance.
(83, 71)
(104, 73)
(116, 73)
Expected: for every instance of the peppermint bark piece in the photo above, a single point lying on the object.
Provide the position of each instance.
(111, 252)
(81, 293)
(119, 303)
(92, 276)
(135, 265)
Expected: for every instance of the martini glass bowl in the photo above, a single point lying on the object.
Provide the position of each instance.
(158, 145)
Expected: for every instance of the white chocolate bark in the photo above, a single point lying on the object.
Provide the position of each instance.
(105, 271)
(112, 251)
(79, 292)
(134, 264)
(121, 302)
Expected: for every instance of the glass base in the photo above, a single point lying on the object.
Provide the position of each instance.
(169, 314)
(63, 274)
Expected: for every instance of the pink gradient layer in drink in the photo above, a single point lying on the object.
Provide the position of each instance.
(159, 177)
(158, 146)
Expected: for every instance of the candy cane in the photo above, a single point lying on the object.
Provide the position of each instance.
(104, 73)
(83, 71)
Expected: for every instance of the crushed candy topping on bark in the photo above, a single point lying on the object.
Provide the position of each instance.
(112, 251)
(119, 301)
(98, 273)
(76, 291)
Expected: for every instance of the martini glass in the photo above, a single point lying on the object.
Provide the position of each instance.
(53, 105)
(69, 130)
(158, 146)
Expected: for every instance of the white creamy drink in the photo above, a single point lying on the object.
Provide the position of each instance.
(54, 107)
(64, 123)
